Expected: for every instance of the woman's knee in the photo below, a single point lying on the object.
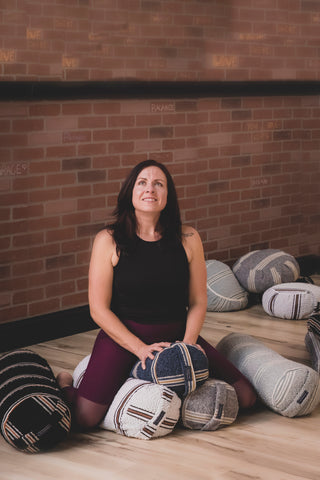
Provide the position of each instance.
(246, 395)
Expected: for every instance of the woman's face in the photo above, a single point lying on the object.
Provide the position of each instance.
(150, 190)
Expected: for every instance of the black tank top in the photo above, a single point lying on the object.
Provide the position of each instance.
(151, 284)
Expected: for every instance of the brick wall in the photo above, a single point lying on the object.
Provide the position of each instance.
(247, 172)
(247, 169)
(159, 39)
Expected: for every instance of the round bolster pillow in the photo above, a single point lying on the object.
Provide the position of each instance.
(181, 367)
(292, 301)
(140, 409)
(224, 292)
(211, 406)
(33, 414)
(287, 387)
(261, 269)
(143, 410)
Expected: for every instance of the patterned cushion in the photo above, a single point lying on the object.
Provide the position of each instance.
(292, 301)
(180, 367)
(213, 405)
(143, 410)
(223, 289)
(261, 269)
(33, 414)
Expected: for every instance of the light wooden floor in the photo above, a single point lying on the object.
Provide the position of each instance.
(259, 445)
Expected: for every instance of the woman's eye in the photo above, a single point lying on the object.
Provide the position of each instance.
(159, 184)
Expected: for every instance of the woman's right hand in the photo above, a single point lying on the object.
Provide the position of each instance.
(145, 351)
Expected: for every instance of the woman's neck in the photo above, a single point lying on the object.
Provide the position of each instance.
(147, 227)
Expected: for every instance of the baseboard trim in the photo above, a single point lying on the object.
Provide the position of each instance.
(29, 331)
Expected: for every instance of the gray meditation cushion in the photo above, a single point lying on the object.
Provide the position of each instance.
(261, 269)
(211, 406)
(224, 292)
(287, 387)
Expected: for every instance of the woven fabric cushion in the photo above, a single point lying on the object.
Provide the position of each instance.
(261, 269)
(224, 292)
(293, 300)
(313, 324)
(143, 410)
(287, 387)
(180, 367)
(211, 406)
(33, 414)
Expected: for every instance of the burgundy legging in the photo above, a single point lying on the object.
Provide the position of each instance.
(110, 365)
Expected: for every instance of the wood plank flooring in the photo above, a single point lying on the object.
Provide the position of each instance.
(258, 445)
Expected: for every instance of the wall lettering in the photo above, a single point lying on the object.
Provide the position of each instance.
(7, 56)
(13, 169)
(163, 107)
(226, 61)
(70, 62)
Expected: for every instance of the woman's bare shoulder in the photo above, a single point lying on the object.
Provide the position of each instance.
(105, 245)
(188, 232)
(191, 241)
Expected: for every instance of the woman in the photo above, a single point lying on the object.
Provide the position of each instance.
(147, 288)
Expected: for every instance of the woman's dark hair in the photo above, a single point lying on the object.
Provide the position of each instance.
(124, 227)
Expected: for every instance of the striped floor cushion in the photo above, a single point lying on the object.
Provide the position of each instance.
(292, 301)
(211, 406)
(224, 292)
(180, 367)
(33, 414)
(143, 410)
(261, 269)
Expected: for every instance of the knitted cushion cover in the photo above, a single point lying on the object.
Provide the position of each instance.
(33, 414)
(261, 269)
(287, 387)
(313, 323)
(214, 404)
(143, 410)
(224, 292)
(293, 300)
(181, 367)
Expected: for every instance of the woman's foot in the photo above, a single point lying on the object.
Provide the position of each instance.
(64, 379)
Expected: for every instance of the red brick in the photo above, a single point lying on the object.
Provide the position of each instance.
(76, 108)
(44, 109)
(27, 212)
(27, 268)
(27, 125)
(28, 296)
(74, 300)
(47, 306)
(60, 179)
(77, 245)
(61, 151)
